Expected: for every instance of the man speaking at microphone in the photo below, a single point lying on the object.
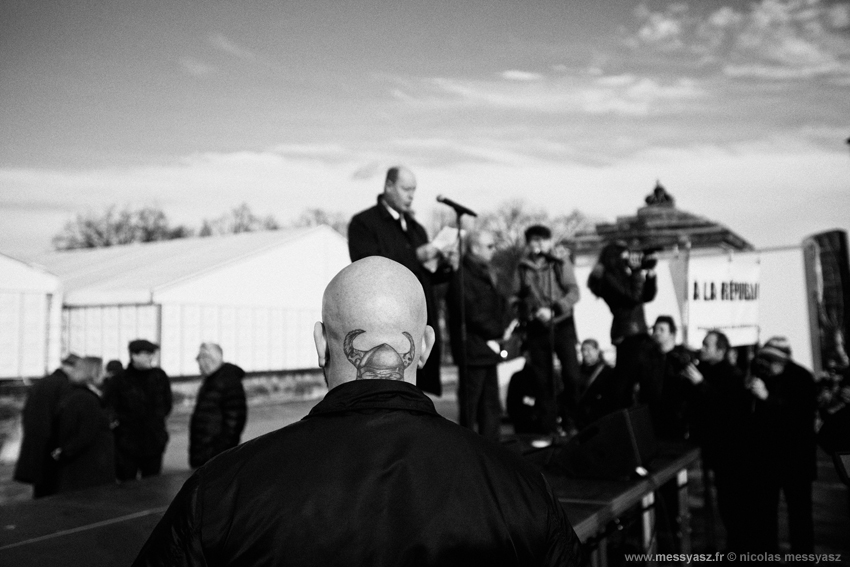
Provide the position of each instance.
(388, 229)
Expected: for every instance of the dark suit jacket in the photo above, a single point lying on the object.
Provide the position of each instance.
(485, 312)
(374, 232)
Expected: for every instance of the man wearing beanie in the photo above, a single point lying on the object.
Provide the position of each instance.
(784, 447)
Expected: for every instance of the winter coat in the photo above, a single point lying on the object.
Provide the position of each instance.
(141, 400)
(219, 415)
(597, 397)
(374, 232)
(722, 415)
(34, 465)
(547, 283)
(85, 438)
(784, 442)
(486, 315)
(372, 476)
(625, 295)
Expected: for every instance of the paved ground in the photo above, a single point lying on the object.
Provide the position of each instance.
(831, 498)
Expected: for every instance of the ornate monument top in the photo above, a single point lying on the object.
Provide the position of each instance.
(660, 197)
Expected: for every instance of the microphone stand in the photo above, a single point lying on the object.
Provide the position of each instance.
(462, 371)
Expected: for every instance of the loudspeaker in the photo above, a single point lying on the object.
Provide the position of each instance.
(613, 447)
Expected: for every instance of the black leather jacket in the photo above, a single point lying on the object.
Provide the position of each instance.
(372, 476)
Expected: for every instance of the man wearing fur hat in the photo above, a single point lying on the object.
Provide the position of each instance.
(784, 447)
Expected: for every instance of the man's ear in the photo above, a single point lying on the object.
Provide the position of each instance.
(428, 339)
(321, 343)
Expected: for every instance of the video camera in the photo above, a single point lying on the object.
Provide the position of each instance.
(680, 358)
(650, 258)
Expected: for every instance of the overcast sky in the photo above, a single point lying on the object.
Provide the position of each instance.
(740, 109)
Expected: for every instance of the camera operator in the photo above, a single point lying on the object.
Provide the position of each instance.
(671, 394)
(720, 422)
(669, 387)
(626, 286)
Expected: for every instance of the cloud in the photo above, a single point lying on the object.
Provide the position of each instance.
(750, 187)
(196, 67)
(222, 43)
(773, 40)
(624, 94)
(514, 75)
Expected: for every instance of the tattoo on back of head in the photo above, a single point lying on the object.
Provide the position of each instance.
(380, 362)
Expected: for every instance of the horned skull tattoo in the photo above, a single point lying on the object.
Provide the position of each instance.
(381, 362)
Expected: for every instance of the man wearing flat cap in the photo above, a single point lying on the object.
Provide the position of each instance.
(35, 465)
(784, 456)
(140, 397)
(547, 294)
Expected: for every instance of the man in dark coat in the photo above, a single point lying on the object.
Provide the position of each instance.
(720, 423)
(486, 317)
(140, 398)
(84, 449)
(220, 409)
(373, 475)
(597, 395)
(547, 294)
(35, 465)
(668, 389)
(784, 449)
(388, 229)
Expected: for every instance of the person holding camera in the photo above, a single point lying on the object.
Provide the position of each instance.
(626, 286)
(670, 387)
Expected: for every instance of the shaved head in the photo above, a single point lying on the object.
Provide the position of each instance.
(373, 324)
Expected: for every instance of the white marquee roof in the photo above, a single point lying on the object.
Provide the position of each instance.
(133, 273)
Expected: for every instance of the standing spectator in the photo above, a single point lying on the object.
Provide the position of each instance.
(388, 229)
(721, 429)
(596, 388)
(784, 452)
(667, 388)
(35, 465)
(626, 287)
(84, 449)
(113, 368)
(373, 475)
(547, 293)
(220, 410)
(141, 399)
(486, 316)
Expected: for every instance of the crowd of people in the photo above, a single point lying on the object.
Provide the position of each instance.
(86, 425)
(371, 442)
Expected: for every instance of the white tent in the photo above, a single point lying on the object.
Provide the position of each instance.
(256, 294)
(30, 315)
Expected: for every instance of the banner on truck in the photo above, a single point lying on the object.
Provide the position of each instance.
(723, 293)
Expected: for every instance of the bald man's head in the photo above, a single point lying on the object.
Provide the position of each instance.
(373, 324)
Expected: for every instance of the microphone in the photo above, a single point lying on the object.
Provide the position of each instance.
(459, 209)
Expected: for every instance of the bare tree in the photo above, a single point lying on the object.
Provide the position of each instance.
(239, 219)
(114, 227)
(316, 216)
